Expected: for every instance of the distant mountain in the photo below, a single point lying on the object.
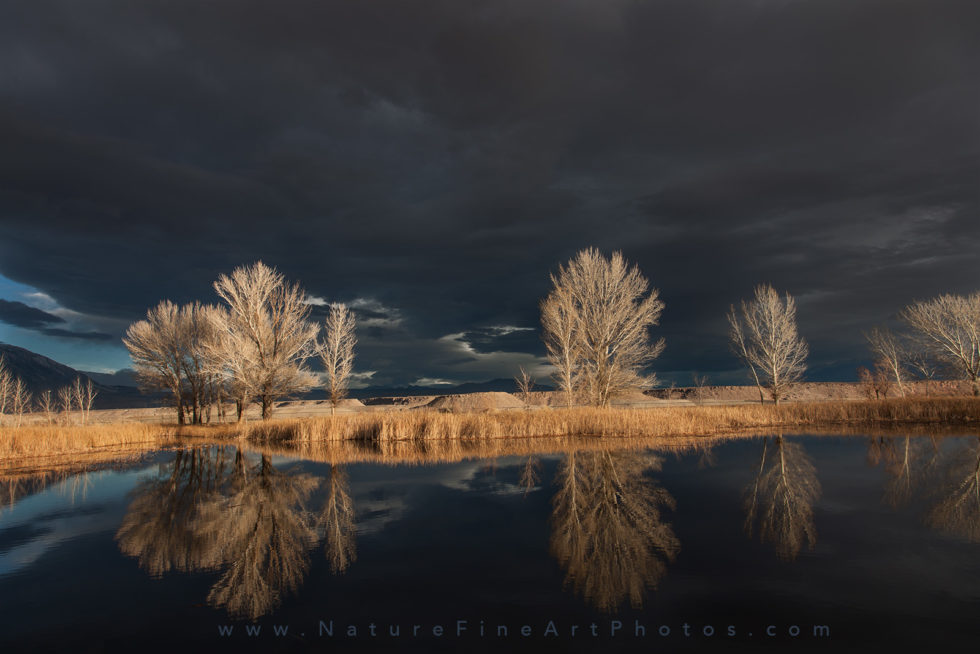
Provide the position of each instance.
(124, 377)
(41, 374)
(492, 386)
(118, 390)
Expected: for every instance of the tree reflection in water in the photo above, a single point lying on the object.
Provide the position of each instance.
(248, 519)
(907, 461)
(262, 535)
(958, 509)
(779, 501)
(159, 527)
(607, 528)
(337, 521)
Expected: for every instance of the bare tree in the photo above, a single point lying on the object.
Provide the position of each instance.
(948, 328)
(229, 358)
(924, 366)
(876, 383)
(20, 400)
(6, 384)
(611, 307)
(525, 382)
(558, 319)
(65, 401)
(89, 393)
(83, 396)
(200, 334)
(764, 337)
(267, 324)
(337, 351)
(890, 354)
(46, 405)
(700, 381)
(157, 346)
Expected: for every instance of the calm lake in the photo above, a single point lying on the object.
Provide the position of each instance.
(786, 543)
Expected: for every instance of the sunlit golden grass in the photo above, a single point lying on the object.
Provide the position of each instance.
(20, 445)
(451, 435)
(614, 422)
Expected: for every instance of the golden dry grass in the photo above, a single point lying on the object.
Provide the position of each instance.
(614, 422)
(450, 432)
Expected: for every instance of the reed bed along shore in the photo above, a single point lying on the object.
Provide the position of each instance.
(613, 422)
(27, 445)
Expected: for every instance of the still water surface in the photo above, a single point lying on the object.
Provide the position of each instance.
(792, 543)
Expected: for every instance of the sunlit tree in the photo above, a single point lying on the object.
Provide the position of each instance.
(558, 321)
(6, 383)
(268, 329)
(337, 351)
(948, 328)
(610, 308)
(157, 346)
(890, 353)
(763, 335)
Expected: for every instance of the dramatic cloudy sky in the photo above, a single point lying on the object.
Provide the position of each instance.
(432, 162)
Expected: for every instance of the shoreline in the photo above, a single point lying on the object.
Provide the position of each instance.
(43, 446)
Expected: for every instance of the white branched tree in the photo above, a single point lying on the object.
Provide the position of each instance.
(525, 384)
(608, 307)
(337, 351)
(268, 330)
(890, 354)
(6, 385)
(46, 406)
(20, 400)
(157, 347)
(227, 357)
(948, 329)
(763, 335)
(65, 401)
(558, 319)
(201, 383)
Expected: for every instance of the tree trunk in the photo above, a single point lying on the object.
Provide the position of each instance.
(266, 407)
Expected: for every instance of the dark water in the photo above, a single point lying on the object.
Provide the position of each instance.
(782, 543)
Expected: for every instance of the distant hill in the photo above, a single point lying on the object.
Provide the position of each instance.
(119, 390)
(41, 374)
(124, 377)
(492, 386)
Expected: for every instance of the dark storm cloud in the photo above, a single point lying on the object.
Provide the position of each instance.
(22, 315)
(19, 314)
(434, 161)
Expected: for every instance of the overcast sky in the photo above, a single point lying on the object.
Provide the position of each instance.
(432, 162)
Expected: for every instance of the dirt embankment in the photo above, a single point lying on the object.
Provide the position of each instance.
(815, 391)
(475, 402)
(482, 402)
